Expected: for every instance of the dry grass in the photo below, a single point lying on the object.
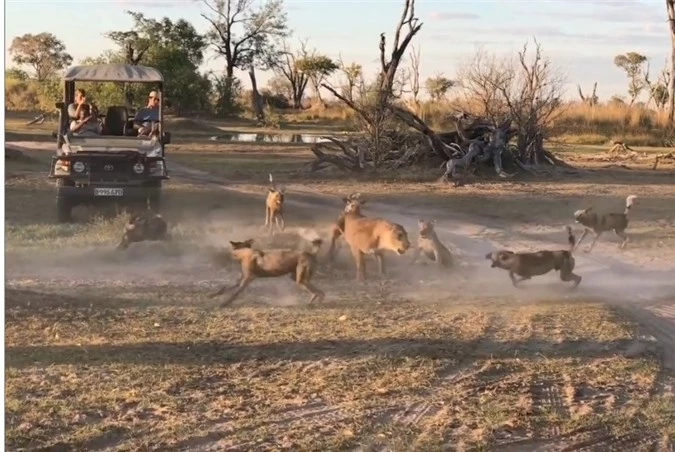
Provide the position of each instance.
(125, 351)
(578, 123)
(174, 373)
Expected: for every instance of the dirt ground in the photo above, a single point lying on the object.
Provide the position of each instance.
(123, 350)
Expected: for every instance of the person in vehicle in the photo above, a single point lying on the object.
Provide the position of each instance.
(74, 108)
(151, 112)
(86, 123)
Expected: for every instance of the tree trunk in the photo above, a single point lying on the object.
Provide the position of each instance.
(671, 89)
(256, 98)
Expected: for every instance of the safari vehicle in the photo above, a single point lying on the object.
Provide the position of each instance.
(117, 165)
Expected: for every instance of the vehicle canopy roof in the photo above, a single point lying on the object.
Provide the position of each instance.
(113, 73)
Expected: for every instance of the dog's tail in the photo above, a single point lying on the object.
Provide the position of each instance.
(630, 200)
(571, 239)
(274, 186)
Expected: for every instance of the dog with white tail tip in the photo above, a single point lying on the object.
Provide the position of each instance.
(618, 222)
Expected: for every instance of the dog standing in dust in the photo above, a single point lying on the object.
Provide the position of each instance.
(370, 236)
(527, 265)
(603, 223)
(274, 206)
(299, 265)
(429, 243)
(141, 227)
(336, 230)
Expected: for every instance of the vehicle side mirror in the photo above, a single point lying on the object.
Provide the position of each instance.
(55, 134)
(59, 105)
(166, 137)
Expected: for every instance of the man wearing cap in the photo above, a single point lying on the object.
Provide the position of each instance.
(147, 114)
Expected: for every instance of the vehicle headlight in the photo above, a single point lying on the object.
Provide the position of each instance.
(78, 167)
(138, 168)
(157, 167)
(154, 152)
(62, 168)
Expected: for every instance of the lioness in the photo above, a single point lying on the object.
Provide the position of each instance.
(145, 226)
(429, 243)
(299, 265)
(527, 265)
(370, 236)
(274, 206)
(602, 223)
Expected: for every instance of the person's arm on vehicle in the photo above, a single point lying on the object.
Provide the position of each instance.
(73, 110)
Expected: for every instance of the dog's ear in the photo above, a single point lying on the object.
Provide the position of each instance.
(345, 200)
(248, 243)
(271, 190)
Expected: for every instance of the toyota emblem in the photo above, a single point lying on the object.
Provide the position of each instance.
(108, 167)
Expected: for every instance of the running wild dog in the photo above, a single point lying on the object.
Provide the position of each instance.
(274, 206)
(141, 227)
(429, 243)
(370, 236)
(603, 223)
(527, 265)
(299, 265)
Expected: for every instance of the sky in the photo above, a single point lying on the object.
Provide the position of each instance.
(581, 38)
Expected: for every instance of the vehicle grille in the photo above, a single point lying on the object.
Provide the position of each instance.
(111, 170)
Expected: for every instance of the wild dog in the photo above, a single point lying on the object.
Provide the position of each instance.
(299, 265)
(429, 243)
(336, 229)
(370, 236)
(527, 265)
(603, 223)
(148, 226)
(274, 206)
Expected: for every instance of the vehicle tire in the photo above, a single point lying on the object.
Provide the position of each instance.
(64, 206)
(63, 210)
(155, 201)
(154, 198)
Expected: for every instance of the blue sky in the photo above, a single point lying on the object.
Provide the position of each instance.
(580, 37)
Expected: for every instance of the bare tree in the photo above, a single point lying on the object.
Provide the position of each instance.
(288, 68)
(353, 77)
(480, 79)
(590, 100)
(534, 100)
(658, 90)
(670, 4)
(373, 109)
(414, 72)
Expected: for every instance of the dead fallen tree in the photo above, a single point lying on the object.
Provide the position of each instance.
(666, 156)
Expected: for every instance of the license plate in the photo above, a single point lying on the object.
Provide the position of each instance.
(108, 192)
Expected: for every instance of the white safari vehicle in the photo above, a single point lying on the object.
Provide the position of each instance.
(113, 164)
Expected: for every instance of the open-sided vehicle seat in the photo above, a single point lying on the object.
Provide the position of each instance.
(116, 121)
